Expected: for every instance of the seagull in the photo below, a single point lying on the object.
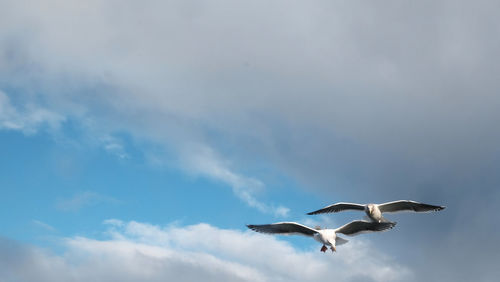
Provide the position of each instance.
(374, 211)
(328, 237)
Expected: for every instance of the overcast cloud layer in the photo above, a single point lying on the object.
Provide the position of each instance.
(393, 100)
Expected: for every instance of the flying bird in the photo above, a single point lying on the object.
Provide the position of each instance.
(374, 211)
(328, 237)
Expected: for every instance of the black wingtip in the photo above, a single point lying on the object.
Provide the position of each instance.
(317, 212)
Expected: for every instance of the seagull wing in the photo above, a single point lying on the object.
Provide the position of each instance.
(339, 207)
(285, 228)
(360, 226)
(405, 205)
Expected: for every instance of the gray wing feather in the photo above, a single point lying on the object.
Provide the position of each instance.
(339, 207)
(284, 228)
(405, 205)
(360, 226)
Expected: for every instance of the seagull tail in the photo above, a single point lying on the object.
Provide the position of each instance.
(340, 241)
(386, 220)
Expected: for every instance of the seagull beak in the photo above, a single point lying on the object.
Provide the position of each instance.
(334, 249)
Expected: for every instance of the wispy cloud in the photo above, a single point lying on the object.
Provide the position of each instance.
(27, 120)
(84, 199)
(43, 225)
(114, 146)
(202, 160)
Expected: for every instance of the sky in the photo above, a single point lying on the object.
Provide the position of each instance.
(147, 134)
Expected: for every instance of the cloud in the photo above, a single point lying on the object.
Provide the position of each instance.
(43, 225)
(330, 93)
(27, 120)
(139, 251)
(202, 160)
(84, 199)
(361, 102)
(114, 146)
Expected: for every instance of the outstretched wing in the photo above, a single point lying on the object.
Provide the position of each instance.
(339, 207)
(360, 226)
(284, 228)
(404, 205)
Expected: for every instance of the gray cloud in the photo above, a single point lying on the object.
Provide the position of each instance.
(362, 81)
(390, 101)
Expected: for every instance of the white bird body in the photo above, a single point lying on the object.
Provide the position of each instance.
(326, 237)
(373, 212)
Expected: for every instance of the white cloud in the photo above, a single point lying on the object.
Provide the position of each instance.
(114, 146)
(139, 251)
(27, 120)
(202, 160)
(43, 225)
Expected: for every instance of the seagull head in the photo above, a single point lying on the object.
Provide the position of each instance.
(370, 208)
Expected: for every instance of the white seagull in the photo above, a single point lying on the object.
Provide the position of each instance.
(327, 237)
(374, 211)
